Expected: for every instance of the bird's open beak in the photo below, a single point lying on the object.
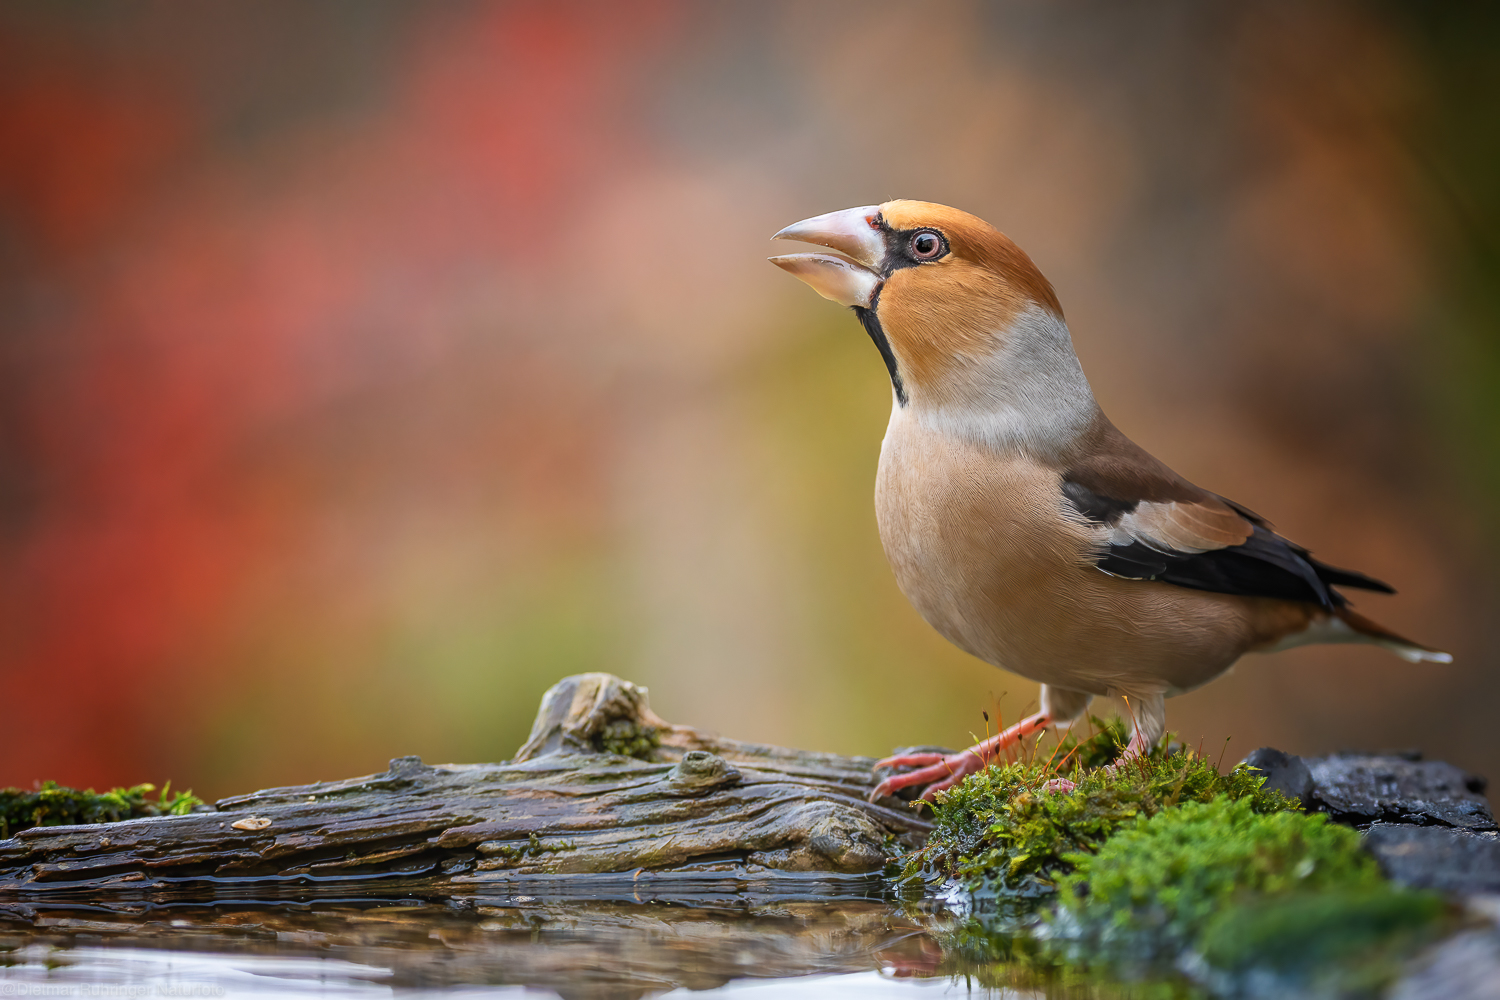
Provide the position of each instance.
(833, 276)
(850, 280)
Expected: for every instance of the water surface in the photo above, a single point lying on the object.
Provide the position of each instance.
(580, 937)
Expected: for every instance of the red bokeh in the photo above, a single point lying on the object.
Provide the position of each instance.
(180, 304)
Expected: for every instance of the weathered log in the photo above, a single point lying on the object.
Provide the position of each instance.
(602, 786)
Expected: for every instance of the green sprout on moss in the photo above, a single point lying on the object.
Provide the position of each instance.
(54, 805)
(1003, 831)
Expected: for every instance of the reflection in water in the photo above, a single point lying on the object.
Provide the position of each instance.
(139, 972)
(94, 971)
(623, 938)
(850, 985)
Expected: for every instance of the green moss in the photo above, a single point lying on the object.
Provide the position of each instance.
(1157, 866)
(1154, 886)
(1002, 831)
(532, 847)
(1302, 931)
(628, 738)
(54, 805)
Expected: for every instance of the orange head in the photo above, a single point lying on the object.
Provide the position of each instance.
(939, 290)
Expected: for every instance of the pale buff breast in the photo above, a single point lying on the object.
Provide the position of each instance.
(981, 546)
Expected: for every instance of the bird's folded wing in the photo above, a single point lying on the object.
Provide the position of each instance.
(1161, 527)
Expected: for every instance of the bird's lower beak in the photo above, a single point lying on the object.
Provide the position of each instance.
(833, 276)
(848, 280)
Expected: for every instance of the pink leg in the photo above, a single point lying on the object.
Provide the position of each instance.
(938, 772)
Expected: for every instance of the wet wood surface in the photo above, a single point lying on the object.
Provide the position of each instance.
(602, 786)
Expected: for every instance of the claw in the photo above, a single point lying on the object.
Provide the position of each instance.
(944, 772)
(940, 773)
(909, 760)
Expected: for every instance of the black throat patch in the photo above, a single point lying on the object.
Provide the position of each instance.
(871, 323)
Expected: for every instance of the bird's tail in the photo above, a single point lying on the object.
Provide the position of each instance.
(1411, 652)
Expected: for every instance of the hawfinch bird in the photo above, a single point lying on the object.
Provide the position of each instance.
(1020, 522)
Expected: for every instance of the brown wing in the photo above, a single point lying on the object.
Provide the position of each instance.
(1164, 528)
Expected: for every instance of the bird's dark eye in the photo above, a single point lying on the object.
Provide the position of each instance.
(925, 246)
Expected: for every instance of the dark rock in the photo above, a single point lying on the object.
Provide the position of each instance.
(1285, 773)
(1436, 857)
(1361, 789)
(1465, 967)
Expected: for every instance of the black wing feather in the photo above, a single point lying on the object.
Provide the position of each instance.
(1265, 565)
(1335, 577)
(1258, 568)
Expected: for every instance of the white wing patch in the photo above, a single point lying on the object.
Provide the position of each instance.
(1175, 528)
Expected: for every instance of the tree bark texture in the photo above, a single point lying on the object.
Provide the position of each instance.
(602, 786)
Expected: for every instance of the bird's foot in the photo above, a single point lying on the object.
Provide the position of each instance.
(936, 771)
(939, 772)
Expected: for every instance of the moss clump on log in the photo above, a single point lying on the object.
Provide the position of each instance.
(628, 738)
(1003, 831)
(55, 805)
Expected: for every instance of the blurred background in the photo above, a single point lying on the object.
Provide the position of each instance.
(365, 367)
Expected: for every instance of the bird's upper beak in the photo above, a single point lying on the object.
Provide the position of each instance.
(850, 280)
